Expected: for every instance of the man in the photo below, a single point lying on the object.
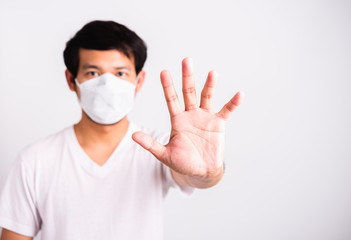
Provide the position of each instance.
(91, 181)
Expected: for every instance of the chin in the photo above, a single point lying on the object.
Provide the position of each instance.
(106, 124)
(103, 124)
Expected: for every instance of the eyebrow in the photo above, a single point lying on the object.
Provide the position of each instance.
(86, 66)
(122, 67)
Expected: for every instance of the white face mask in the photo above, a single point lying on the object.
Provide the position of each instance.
(106, 99)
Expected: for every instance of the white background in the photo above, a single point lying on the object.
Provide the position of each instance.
(288, 155)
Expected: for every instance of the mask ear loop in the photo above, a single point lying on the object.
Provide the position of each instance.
(137, 80)
(76, 84)
(136, 84)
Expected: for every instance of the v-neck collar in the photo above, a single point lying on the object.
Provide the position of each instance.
(87, 163)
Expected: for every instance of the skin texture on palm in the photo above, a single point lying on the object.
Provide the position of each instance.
(195, 150)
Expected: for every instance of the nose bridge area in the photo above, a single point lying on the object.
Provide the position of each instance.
(105, 77)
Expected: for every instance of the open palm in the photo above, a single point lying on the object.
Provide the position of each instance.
(196, 144)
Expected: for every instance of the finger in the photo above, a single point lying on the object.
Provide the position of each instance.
(170, 93)
(207, 91)
(146, 141)
(231, 105)
(188, 82)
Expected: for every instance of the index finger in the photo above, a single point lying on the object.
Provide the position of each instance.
(170, 93)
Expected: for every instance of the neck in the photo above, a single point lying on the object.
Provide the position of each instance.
(90, 133)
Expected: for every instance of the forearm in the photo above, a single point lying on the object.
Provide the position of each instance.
(197, 181)
(10, 235)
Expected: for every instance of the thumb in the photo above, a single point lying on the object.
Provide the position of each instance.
(146, 141)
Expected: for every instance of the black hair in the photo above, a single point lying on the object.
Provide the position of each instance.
(105, 35)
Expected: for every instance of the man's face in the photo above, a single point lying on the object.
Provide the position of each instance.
(93, 63)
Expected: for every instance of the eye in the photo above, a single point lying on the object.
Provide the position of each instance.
(121, 74)
(92, 74)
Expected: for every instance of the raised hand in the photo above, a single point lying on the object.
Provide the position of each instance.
(196, 144)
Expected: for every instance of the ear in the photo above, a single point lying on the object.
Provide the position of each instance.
(70, 80)
(141, 78)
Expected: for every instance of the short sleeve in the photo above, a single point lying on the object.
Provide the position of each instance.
(18, 211)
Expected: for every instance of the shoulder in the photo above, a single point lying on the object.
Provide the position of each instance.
(47, 146)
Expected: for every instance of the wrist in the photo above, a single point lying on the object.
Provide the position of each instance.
(206, 181)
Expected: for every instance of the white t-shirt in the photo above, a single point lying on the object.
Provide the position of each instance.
(56, 188)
